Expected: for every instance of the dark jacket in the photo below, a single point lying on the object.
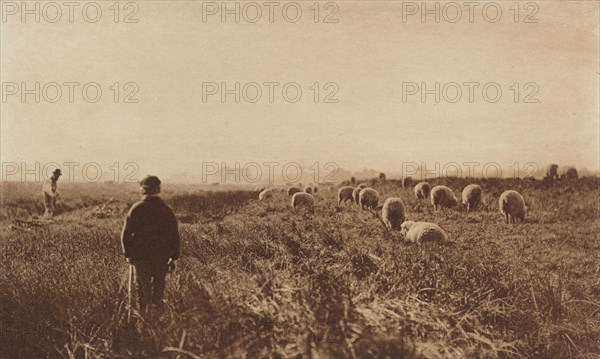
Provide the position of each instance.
(150, 231)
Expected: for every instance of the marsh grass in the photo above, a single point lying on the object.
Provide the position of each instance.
(263, 280)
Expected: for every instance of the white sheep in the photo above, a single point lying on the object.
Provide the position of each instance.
(422, 190)
(422, 232)
(292, 190)
(512, 206)
(568, 173)
(302, 199)
(265, 194)
(442, 196)
(471, 196)
(368, 198)
(356, 192)
(552, 171)
(309, 190)
(393, 212)
(345, 194)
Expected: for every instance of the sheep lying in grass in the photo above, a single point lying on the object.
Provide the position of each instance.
(309, 190)
(471, 196)
(569, 173)
(442, 196)
(512, 206)
(345, 194)
(265, 194)
(393, 212)
(303, 199)
(422, 190)
(368, 198)
(422, 232)
(292, 190)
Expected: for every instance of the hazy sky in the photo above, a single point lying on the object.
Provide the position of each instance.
(369, 54)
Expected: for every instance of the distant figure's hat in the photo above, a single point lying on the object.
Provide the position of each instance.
(57, 172)
(150, 182)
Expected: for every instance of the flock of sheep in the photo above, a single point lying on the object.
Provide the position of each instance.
(565, 172)
(393, 212)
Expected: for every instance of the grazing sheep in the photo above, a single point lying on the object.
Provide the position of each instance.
(355, 194)
(368, 198)
(442, 196)
(552, 171)
(293, 190)
(471, 196)
(393, 213)
(357, 191)
(512, 206)
(265, 194)
(303, 199)
(309, 190)
(407, 182)
(568, 173)
(422, 232)
(422, 190)
(261, 188)
(345, 194)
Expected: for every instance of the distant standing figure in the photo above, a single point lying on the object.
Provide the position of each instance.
(150, 241)
(552, 171)
(50, 193)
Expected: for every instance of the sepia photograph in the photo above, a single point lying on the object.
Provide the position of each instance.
(377, 179)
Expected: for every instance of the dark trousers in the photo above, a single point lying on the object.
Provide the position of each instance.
(150, 282)
(49, 205)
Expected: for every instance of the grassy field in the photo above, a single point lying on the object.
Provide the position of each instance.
(262, 280)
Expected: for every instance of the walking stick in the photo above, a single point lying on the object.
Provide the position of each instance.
(129, 293)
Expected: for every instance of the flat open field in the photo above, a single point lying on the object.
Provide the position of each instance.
(263, 280)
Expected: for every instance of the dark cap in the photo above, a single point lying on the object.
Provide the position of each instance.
(57, 172)
(150, 182)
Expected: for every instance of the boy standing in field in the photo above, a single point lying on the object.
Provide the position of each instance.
(50, 194)
(150, 241)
